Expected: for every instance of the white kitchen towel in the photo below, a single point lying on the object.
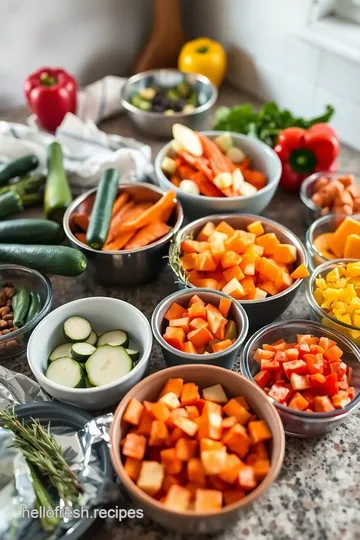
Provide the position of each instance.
(100, 99)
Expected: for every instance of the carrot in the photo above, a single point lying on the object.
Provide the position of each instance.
(199, 163)
(186, 172)
(218, 161)
(153, 213)
(120, 203)
(147, 235)
(174, 179)
(118, 219)
(80, 220)
(205, 186)
(81, 237)
(255, 178)
(120, 238)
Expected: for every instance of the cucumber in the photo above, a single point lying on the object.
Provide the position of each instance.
(134, 355)
(18, 167)
(34, 307)
(10, 203)
(108, 364)
(61, 260)
(114, 338)
(77, 329)
(26, 231)
(66, 372)
(20, 306)
(81, 351)
(61, 351)
(101, 213)
(92, 339)
(57, 191)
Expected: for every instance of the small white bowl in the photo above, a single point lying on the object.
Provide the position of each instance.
(104, 314)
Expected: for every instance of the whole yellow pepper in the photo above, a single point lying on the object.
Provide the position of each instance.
(206, 57)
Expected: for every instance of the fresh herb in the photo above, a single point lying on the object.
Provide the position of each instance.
(265, 124)
(175, 262)
(43, 500)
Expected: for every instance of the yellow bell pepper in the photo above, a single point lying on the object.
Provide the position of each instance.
(204, 56)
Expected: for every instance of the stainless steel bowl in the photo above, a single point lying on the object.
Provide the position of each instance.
(259, 312)
(159, 124)
(174, 357)
(262, 157)
(125, 267)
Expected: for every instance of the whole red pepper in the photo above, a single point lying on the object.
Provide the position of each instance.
(50, 94)
(305, 151)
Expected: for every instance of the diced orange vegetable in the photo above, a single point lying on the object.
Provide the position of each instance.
(298, 402)
(210, 444)
(224, 306)
(256, 228)
(174, 337)
(181, 323)
(268, 268)
(189, 348)
(259, 431)
(323, 404)
(196, 311)
(237, 440)
(133, 412)
(151, 477)
(188, 426)
(200, 336)
(160, 411)
(144, 427)
(247, 478)
(134, 446)
(172, 385)
(169, 480)
(170, 400)
(300, 272)
(213, 461)
(269, 242)
(185, 449)
(234, 408)
(229, 259)
(132, 467)
(189, 394)
(232, 467)
(159, 433)
(192, 411)
(171, 462)
(208, 500)
(222, 345)
(233, 495)
(177, 498)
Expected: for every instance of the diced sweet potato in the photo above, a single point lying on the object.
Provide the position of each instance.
(195, 471)
(237, 440)
(171, 462)
(213, 461)
(174, 312)
(133, 412)
(233, 465)
(189, 394)
(170, 400)
(185, 449)
(172, 385)
(208, 500)
(134, 446)
(247, 478)
(159, 433)
(151, 477)
(233, 408)
(132, 467)
(259, 431)
(177, 498)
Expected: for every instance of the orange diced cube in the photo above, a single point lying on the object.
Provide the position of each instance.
(133, 412)
(229, 259)
(210, 444)
(256, 228)
(268, 269)
(174, 337)
(192, 411)
(200, 337)
(224, 306)
(160, 411)
(196, 311)
(188, 426)
(247, 478)
(159, 433)
(243, 402)
(170, 400)
(174, 312)
(261, 468)
(132, 467)
(145, 423)
(233, 408)
(214, 461)
(269, 242)
(151, 477)
(181, 323)
(222, 345)
(171, 463)
(177, 498)
(206, 231)
(134, 446)
(229, 422)
(224, 228)
(233, 495)
(169, 480)
(208, 500)
(285, 254)
(232, 467)
(237, 440)
(300, 272)
(176, 413)
(234, 289)
(195, 471)
(189, 394)
(259, 431)
(172, 385)
(234, 272)
(185, 449)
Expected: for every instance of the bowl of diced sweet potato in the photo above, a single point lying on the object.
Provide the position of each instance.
(195, 445)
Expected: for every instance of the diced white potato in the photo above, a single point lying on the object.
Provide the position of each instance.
(168, 165)
(215, 420)
(170, 400)
(169, 112)
(188, 108)
(147, 93)
(235, 154)
(248, 189)
(189, 187)
(223, 180)
(224, 142)
(215, 393)
(238, 180)
(260, 294)
(151, 477)
(188, 139)
(176, 146)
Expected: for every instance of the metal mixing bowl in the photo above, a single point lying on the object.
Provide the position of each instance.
(159, 124)
(125, 267)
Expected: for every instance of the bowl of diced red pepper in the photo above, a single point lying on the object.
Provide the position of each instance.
(309, 371)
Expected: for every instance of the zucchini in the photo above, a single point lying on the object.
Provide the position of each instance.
(18, 167)
(92, 339)
(114, 338)
(61, 260)
(77, 329)
(34, 307)
(66, 372)
(101, 213)
(57, 190)
(20, 306)
(87, 382)
(108, 364)
(81, 351)
(26, 231)
(134, 355)
(61, 351)
(10, 203)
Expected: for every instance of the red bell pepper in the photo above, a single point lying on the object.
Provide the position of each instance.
(50, 94)
(303, 152)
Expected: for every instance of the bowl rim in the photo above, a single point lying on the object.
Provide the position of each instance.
(196, 357)
(152, 114)
(249, 498)
(40, 376)
(310, 295)
(163, 152)
(226, 217)
(321, 221)
(44, 310)
(81, 198)
(313, 416)
(311, 179)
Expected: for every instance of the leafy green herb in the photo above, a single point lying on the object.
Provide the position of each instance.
(265, 124)
(175, 262)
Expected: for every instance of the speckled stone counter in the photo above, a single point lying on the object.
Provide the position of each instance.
(317, 494)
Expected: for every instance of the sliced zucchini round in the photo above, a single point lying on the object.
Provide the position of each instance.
(92, 339)
(81, 351)
(66, 372)
(108, 364)
(77, 329)
(60, 352)
(115, 338)
(134, 355)
(87, 382)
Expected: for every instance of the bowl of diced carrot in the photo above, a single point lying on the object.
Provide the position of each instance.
(218, 172)
(253, 259)
(195, 445)
(143, 220)
(309, 371)
(202, 326)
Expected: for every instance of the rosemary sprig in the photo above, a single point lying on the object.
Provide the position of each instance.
(40, 449)
(174, 259)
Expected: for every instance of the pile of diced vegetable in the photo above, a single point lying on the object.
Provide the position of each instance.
(180, 98)
(341, 196)
(344, 242)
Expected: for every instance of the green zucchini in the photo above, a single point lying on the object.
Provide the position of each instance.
(10, 203)
(61, 260)
(17, 167)
(66, 372)
(77, 329)
(108, 364)
(61, 351)
(20, 306)
(92, 339)
(101, 213)
(81, 351)
(134, 355)
(26, 231)
(34, 307)
(114, 338)
(57, 190)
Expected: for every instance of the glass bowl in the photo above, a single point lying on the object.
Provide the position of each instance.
(317, 313)
(299, 423)
(14, 343)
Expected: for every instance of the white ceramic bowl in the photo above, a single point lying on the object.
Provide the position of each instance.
(104, 314)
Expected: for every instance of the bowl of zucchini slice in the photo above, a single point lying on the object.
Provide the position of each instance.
(91, 351)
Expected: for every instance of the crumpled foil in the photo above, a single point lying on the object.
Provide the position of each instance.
(79, 448)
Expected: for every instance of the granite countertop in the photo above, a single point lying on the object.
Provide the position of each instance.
(317, 494)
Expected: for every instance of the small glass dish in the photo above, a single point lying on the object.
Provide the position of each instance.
(318, 314)
(14, 343)
(299, 423)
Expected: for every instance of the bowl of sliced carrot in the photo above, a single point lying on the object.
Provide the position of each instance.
(142, 220)
(195, 446)
(214, 172)
(207, 327)
(255, 260)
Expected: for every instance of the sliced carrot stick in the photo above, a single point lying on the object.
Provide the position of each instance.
(147, 235)
(205, 186)
(155, 212)
(118, 219)
(120, 202)
(174, 179)
(219, 163)
(80, 220)
(199, 163)
(186, 172)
